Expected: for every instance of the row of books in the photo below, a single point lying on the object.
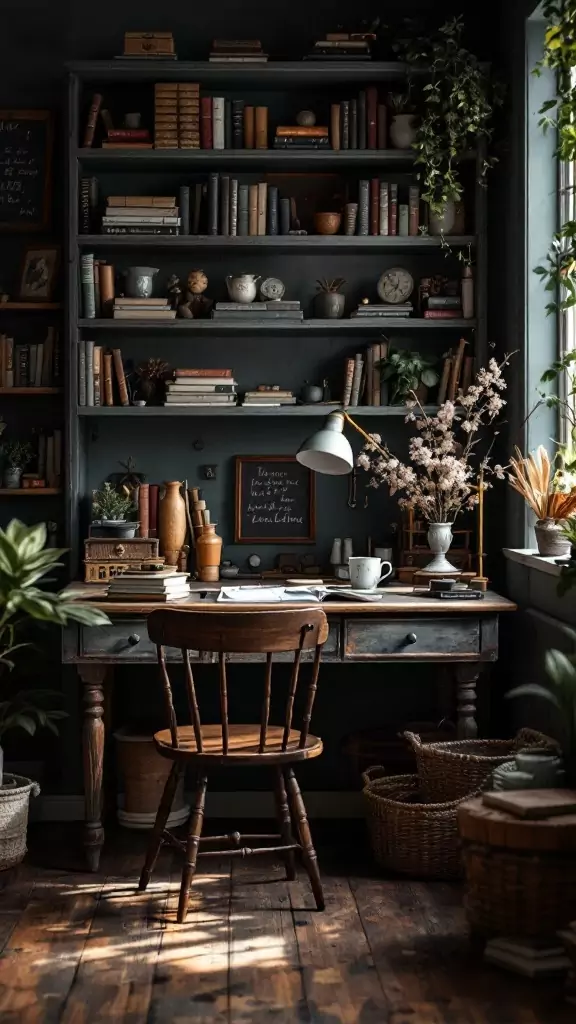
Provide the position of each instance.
(101, 377)
(176, 115)
(30, 365)
(457, 373)
(380, 213)
(236, 209)
(97, 283)
(362, 377)
(360, 123)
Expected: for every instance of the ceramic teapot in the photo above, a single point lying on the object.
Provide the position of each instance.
(243, 287)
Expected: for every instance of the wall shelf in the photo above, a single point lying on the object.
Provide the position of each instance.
(333, 243)
(355, 326)
(28, 492)
(30, 307)
(290, 411)
(31, 391)
(241, 159)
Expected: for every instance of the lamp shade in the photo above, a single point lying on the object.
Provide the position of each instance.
(328, 451)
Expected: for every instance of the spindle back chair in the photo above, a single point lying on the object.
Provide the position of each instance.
(225, 632)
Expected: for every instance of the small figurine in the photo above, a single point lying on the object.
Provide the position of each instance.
(174, 290)
(196, 305)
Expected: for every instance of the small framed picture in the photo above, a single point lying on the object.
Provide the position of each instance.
(39, 273)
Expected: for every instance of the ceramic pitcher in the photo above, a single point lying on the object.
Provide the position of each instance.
(242, 288)
(140, 282)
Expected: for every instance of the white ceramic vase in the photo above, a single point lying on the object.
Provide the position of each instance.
(443, 223)
(439, 541)
(402, 130)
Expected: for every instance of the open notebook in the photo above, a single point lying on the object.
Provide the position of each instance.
(280, 595)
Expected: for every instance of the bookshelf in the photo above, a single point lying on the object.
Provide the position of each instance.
(287, 412)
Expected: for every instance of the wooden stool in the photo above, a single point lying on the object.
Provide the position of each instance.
(233, 632)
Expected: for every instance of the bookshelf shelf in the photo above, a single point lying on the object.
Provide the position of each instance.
(266, 76)
(288, 412)
(242, 159)
(31, 391)
(30, 307)
(280, 243)
(29, 492)
(355, 326)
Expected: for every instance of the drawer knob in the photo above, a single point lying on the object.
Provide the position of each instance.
(411, 638)
(133, 639)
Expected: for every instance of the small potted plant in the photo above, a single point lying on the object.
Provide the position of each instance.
(545, 493)
(150, 388)
(109, 511)
(17, 455)
(407, 373)
(329, 303)
(403, 121)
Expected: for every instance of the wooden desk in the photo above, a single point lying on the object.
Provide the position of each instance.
(400, 628)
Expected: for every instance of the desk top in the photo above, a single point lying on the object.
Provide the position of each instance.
(396, 601)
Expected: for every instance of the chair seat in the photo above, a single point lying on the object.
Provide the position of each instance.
(243, 742)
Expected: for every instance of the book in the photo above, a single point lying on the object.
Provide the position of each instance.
(199, 399)
(356, 378)
(345, 124)
(140, 229)
(217, 122)
(281, 595)
(37, 381)
(31, 371)
(383, 209)
(382, 126)
(228, 124)
(413, 210)
(199, 389)
(107, 374)
(97, 374)
(213, 180)
(131, 145)
(403, 220)
(442, 314)
(195, 372)
(444, 379)
(249, 127)
(143, 510)
(335, 126)
(374, 206)
(533, 804)
(467, 373)
(262, 206)
(348, 379)
(90, 373)
(233, 207)
(261, 128)
(275, 304)
(302, 131)
(300, 142)
(106, 289)
(371, 116)
(253, 209)
(264, 314)
(48, 361)
(87, 282)
(82, 372)
(206, 122)
(144, 314)
(97, 303)
(157, 221)
(379, 352)
(184, 207)
(272, 221)
(353, 138)
(456, 369)
(90, 129)
(362, 124)
(120, 377)
(133, 134)
(85, 219)
(363, 207)
(237, 124)
(225, 205)
(393, 209)
(243, 216)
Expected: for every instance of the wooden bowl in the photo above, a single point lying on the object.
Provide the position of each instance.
(327, 223)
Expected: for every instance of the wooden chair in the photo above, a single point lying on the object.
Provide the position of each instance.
(201, 746)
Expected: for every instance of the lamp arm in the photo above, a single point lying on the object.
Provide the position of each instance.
(364, 434)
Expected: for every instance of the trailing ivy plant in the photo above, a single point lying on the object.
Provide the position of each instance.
(459, 101)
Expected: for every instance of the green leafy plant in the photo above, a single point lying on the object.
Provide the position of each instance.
(17, 453)
(405, 371)
(400, 103)
(24, 560)
(110, 504)
(326, 285)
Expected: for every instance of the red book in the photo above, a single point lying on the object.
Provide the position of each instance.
(374, 205)
(153, 492)
(443, 314)
(128, 133)
(202, 373)
(206, 122)
(393, 210)
(372, 116)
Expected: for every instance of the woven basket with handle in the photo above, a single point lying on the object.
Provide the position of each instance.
(454, 770)
(14, 800)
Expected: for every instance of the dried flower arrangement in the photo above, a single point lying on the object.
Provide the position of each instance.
(534, 478)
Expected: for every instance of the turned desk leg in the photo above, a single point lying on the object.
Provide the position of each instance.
(466, 679)
(93, 677)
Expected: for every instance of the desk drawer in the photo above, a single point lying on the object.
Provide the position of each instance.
(418, 637)
(330, 651)
(123, 640)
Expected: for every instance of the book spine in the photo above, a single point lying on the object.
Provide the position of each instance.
(348, 378)
(206, 122)
(372, 116)
(119, 368)
(225, 205)
(383, 353)
(353, 138)
(234, 207)
(243, 220)
(382, 129)
(413, 210)
(31, 375)
(467, 373)
(356, 378)
(374, 206)
(456, 369)
(285, 216)
(376, 356)
(39, 365)
(335, 126)
(383, 219)
(184, 207)
(90, 129)
(153, 510)
(262, 206)
(272, 210)
(345, 124)
(261, 128)
(393, 210)
(2, 357)
(87, 280)
(85, 206)
(9, 363)
(197, 208)
(363, 207)
(443, 386)
(108, 389)
(403, 220)
(362, 120)
(90, 373)
(253, 209)
(369, 363)
(238, 124)
(144, 510)
(228, 124)
(249, 128)
(97, 374)
(82, 373)
(213, 204)
(140, 229)
(106, 289)
(443, 314)
(97, 302)
(218, 122)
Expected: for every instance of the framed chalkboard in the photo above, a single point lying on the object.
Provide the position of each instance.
(274, 501)
(25, 162)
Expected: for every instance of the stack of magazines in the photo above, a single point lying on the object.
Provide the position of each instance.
(139, 585)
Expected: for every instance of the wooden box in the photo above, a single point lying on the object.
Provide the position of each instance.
(146, 44)
(105, 549)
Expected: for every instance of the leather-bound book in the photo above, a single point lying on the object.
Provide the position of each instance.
(374, 206)
(218, 107)
(249, 128)
(184, 207)
(261, 128)
(403, 219)
(234, 206)
(285, 217)
(353, 138)
(238, 124)
(369, 364)
(108, 389)
(382, 130)
(335, 126)
(272, 210)
(456, 370)
(372, 116)
(119, 368)
(443, 386)
(225, 205)
(106, 289)
(348, 378)
(413, 209)
(262, 206)
(206, 122)
(345, 124)
(228, 131)
(81, 373)
(363, 207)
(362, 120)
(243, 220)
(356, 378)
(90, 129)
(153, 496)
(376, 374)
(383, 221)
(393, 209)
(144, 510)
(213, 204)
(89, 373)
(253, 209)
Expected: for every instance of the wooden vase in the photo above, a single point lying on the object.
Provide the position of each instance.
(208, 553)
(171, 521)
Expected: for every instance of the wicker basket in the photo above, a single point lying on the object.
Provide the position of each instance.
(407, 836)
(454, 770)
(14, 800)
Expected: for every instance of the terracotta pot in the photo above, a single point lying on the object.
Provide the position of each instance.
(143, 773)
(550, 539)
(208, 553)
(171, 521)
(327, 223)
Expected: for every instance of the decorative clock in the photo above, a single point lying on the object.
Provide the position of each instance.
(395, 285)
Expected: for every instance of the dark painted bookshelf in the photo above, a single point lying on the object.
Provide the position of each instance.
(286, 412)
(288, 243)
(355, 326)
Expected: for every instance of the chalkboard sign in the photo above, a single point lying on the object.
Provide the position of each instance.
(25, 156)
(274, 500)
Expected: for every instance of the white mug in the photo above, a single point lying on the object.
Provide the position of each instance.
(365, 572)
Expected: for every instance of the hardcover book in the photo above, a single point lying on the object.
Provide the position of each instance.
(335, 126)
(225, 205)
(90, 373)
(249, 129)
(253, 209)
(393, 209)
(362, 125)
(363, 207)
(213, 204)
(261, 128)
(272, 225)
(234, 206)
(218, 105)
(206, 122)
(243, 218)
(374, 206)
(345, 124)
(371, 116)
(353, 138)
(237, 124)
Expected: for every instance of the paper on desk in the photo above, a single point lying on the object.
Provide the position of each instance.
(281, 595)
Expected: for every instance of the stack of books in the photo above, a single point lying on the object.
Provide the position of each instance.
(269, 397)
(198, 387)
(360, 122)
(277, 309)
(116, 138)
(164, 585)
(299, 137)
(143, 309)
(383, 309)
(341, 46)
(141, 215)
(177, 115)
(443, 307)
(31, 365)
(247, 51)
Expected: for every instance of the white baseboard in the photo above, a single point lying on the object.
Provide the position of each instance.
(252, 804)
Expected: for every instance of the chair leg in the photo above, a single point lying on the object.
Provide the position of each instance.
(162, 815)
(284, 822)
(193, 841)
(308, 852)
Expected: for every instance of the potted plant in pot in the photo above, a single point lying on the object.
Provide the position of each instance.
(545, 493)
(402, 129)
(17, 455)
(109, 511)
(329, 303)
(24, 560)
(408, 372)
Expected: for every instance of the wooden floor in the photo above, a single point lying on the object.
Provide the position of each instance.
(82, 949)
